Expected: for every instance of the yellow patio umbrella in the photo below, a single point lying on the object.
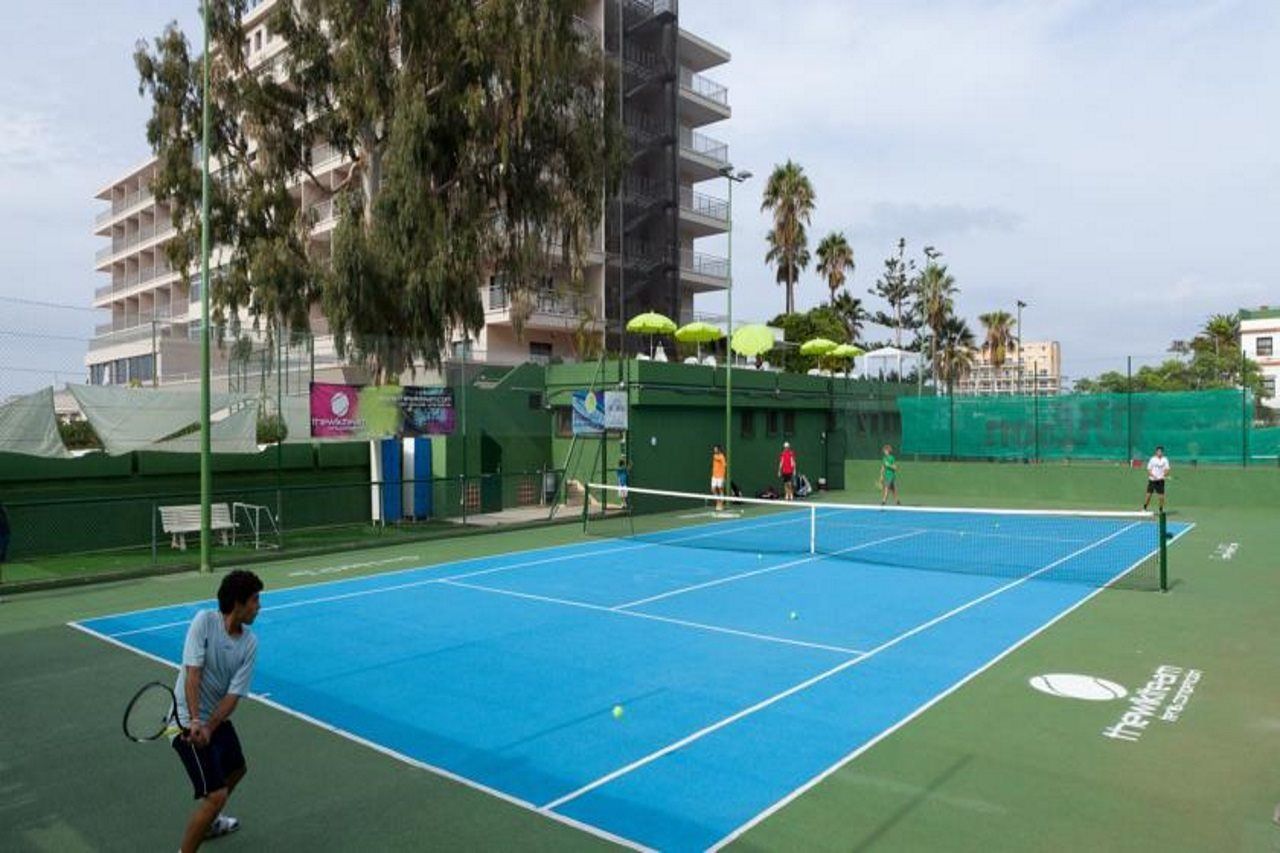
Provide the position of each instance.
(817, 346)
(753, 340)
(698, 333)
(846, 351)
(651, 323)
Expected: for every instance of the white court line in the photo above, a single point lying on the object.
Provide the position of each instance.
(822, 676)
(262, 698)
(793, 795)
(809, 559)
(719, 629)
(424, 582)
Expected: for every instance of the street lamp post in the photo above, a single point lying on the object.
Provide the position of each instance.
(735, 177)
(1021, 305)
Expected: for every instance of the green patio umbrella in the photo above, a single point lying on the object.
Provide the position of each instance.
(752, 340)
(651, 323)
(817, 346)
(698, 333)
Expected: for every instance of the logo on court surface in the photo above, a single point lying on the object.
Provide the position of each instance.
(1163, 698)
(1071, 686)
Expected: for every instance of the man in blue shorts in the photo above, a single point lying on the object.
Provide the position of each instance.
(217, 666)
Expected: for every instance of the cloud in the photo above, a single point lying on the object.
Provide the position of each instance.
(929, 223)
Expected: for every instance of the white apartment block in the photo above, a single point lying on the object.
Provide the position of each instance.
(1259, 336)
(1033, 368)
(645, 257)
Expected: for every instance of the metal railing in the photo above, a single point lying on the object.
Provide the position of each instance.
(704, 205)
(704, 146)
(702, 264)
(142, 235)
(120, 205)
(703, 86)
(547, 302)
(321, 212)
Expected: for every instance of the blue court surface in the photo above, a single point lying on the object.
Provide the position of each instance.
(743, 676)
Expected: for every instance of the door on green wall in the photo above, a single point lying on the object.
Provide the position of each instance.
(836, 446)
(490, 474)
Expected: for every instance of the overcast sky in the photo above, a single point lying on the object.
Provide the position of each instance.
(1114, 164)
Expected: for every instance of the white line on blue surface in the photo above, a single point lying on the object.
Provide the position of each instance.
(822, 676)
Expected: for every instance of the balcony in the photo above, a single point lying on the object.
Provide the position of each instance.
(702, 215)
(702, 100)
(322, 214)
(552, 309)
(123, 205)
(702, 157)
(142, 235)
(703, 273)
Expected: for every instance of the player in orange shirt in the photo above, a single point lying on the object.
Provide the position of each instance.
(718, 465)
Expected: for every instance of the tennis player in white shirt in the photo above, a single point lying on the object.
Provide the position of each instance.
(1157, 473)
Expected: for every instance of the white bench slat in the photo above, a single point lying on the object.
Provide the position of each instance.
(182, 519)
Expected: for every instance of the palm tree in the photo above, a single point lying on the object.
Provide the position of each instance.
(1221, 332)
(999, 338)
(789, 194)
(955, 350)
(935, 301)
(835, 261)
(851, 313)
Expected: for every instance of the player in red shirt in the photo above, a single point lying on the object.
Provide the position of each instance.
(787, 471)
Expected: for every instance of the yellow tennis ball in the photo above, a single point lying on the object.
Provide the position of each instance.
(617, 712)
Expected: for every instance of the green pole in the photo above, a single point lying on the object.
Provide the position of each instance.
(1244, 411)
(728, 353)
(1035, 401)
(206, 472)
(1164, 553)
(1128, 398)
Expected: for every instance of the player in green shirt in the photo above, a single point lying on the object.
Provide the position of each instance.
(889, 476)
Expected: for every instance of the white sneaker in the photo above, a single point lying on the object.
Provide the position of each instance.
(222, 825)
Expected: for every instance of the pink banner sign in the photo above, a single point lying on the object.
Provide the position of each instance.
(335, 411)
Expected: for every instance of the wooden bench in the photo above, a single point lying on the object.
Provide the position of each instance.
(178, 521)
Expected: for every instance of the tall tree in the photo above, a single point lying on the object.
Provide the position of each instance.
(851, 313)
(999, 336)
(894, 287)
(479, 143)
(954, 349)
(798, 327)
(935, 303)
(790, 197)
(835, 261)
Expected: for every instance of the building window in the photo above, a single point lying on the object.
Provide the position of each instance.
(564, 422)
(1269, 387)
(257, 40)
(460, 349)
(97, 374)
(1264, 346)
(747, 420)
(788, 423)
(539, 352)
(771, 423)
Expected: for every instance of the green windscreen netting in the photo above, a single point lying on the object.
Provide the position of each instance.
(1213, 426)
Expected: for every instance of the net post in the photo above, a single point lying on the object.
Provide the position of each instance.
(813, 530)
(1164, 553)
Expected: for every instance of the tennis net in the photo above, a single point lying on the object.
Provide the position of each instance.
(1095, 548)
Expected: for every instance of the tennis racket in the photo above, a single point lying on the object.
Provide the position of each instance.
(152, 714)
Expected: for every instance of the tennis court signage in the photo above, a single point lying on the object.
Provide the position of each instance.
(595, 412)
(1162, 699)
(369, 412)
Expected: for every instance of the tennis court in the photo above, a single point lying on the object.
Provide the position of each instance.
(614, 684)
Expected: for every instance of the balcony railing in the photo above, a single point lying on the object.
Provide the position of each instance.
(705, 146)
(120, 205)
(143, 234)
(703, 86)
(324, 154)
(321, 212)
(547, 302)
(706, 265)
(704, 205)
